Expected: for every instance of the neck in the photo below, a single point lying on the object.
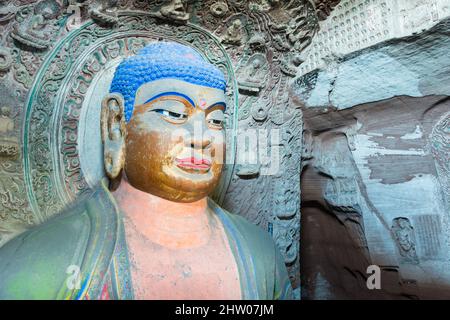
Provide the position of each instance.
(170, 224)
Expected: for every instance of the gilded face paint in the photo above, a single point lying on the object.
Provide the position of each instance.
(175, 148)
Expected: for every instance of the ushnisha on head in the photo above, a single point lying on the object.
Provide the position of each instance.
(163, 123)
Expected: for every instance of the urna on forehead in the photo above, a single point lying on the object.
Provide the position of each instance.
(163, 60)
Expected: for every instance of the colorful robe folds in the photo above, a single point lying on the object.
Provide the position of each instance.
(82, 254)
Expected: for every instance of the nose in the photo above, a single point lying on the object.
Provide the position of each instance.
(200, 143)
(199, 137)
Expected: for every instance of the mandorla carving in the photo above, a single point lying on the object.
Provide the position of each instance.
(7, 13)
(233, 34)
(253, 75)
(219, 9)
(175, 10)
(104, 11)
(5, 59)
(324, 7)
(36, 27)
(9, 144)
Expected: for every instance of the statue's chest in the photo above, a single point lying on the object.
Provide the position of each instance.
(208, 272)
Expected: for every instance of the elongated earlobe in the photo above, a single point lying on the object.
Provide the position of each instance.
(113, 132)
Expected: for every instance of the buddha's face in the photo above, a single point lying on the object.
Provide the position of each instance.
(175, 140)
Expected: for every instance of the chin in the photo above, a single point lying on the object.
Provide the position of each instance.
(177, 185)
(185, 190)
(189, 193)
(184, 196)
(190, 181)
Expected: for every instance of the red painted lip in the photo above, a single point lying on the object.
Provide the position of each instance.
(193, 163)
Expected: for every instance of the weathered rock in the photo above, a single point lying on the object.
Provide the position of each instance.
(415, 66)
(372, 194)
(357, 24)
(376, 175)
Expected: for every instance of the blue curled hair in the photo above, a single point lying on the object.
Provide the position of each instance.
(161, 60)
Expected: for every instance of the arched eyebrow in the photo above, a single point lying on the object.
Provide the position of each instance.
(170, 93)
(185, 97)
(218, 104)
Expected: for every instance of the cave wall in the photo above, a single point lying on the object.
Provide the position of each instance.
(376, 170)
(354, 25)
(372, 172)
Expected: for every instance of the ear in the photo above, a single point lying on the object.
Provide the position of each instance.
(113, 131)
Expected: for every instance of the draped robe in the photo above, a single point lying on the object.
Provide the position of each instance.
(82, 254)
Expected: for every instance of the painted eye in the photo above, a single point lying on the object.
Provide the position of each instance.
(171, 115)
(215, 123)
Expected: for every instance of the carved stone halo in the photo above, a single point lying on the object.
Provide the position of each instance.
(64, 156)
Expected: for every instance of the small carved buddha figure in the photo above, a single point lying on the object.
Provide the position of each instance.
(404, 234)
(6, 123)
(9, 143)
(233, 34)
(157, 235)
(253, 69)
(175, 10)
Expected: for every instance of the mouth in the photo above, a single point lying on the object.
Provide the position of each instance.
(193, 164)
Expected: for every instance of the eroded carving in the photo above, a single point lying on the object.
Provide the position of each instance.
(219, 9)
(5, 60)
(324, 7)
(74, 19)
(7, 13)
(175, 10)
(234, 32)
(440, 149)
(405, 238)
(9, 145)
(36, 27)
(104, 11)
(253, 75)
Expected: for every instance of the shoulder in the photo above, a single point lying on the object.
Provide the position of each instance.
(34, 264)
(268, 262)
(259, 242)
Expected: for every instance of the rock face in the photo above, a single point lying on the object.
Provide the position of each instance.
(375, 179)
(415, 66)
(357, 24)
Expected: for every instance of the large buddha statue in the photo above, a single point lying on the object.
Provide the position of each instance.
(149, 230)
